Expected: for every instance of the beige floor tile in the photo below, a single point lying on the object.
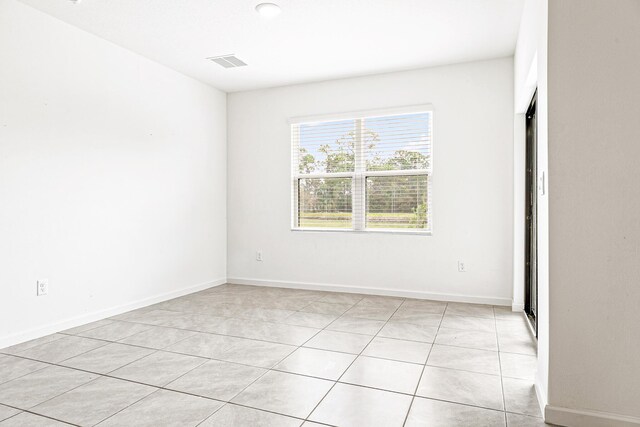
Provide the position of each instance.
(467, 338)
(520, 366)
(32, 389)
(151, 317)
(466, 359)
(426, 306)
(251, 352)
(434, 413)
(520, 397)
(264, 314)
(469, 323)
(87, 327)
(373, 312)
(165, 408)
(520, 344)
(402, 350)
(416, 316)
(381, 301)
(409, 331)
(195, 322)
(62, 349)
(310, 320)
(217, 380)
(266, 331)
(356, 325)
(7, 412)
(342, 298)
(384, 374)
(12, 367)
(325, 364)
(462, 387)
(326, 308)
(157, 337)
(107, 358)
(15, 349)
(354, 406)
(220, 342)
(516, 420)
(105, 396)
(202, 345)
(286, 394)
(26, 419)
(158, 369)
(506, 313)
(115, 331)
(235, 416)
(513, 326)
(473, 310)
(339, 341)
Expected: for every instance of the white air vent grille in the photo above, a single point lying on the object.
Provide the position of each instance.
(227, 61)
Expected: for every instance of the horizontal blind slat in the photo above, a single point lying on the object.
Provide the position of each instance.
(390, 154)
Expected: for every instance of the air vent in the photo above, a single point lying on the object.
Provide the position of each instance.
(227, 61)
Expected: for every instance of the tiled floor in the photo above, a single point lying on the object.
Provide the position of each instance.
(249, 356)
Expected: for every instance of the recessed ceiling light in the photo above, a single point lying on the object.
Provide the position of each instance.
(268, 10)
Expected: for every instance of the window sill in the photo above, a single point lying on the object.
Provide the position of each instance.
(367, 231)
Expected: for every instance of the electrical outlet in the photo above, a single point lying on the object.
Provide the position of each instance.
(259, 256)
(462, 267)
(42, 287)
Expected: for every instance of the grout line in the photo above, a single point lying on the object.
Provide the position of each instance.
(272, 368)
(128, 406)
(43, 416)
(352, 362)
(504, 402)
(406, 417)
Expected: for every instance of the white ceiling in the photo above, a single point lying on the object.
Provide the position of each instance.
(310, 40)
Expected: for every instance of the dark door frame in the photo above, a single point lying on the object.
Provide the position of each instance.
(531, 216)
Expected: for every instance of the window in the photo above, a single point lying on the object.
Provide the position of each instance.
(368, 173)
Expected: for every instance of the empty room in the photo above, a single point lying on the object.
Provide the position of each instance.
(345, 213)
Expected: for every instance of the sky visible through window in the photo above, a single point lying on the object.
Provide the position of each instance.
(407, 132)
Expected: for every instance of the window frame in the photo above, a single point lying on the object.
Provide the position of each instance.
(360, 174)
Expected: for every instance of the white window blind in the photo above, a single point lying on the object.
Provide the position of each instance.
(367, 173)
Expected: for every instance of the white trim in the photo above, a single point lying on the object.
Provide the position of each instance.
(380, 112)
(518, 209)
(541, 393)
(20, 337)
(585, 418)
(371, 291)
(517, 306)
(399, 231)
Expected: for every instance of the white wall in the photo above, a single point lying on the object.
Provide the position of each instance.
(112, 177)
(472, 188)
(594, 152)
(530, 73)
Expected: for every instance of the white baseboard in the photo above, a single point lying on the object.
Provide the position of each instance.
(583, 418)
(541, 393)
(72, 322)
(373, 291)
(517, 306)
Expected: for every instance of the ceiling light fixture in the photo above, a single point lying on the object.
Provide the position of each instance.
(268, 10)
